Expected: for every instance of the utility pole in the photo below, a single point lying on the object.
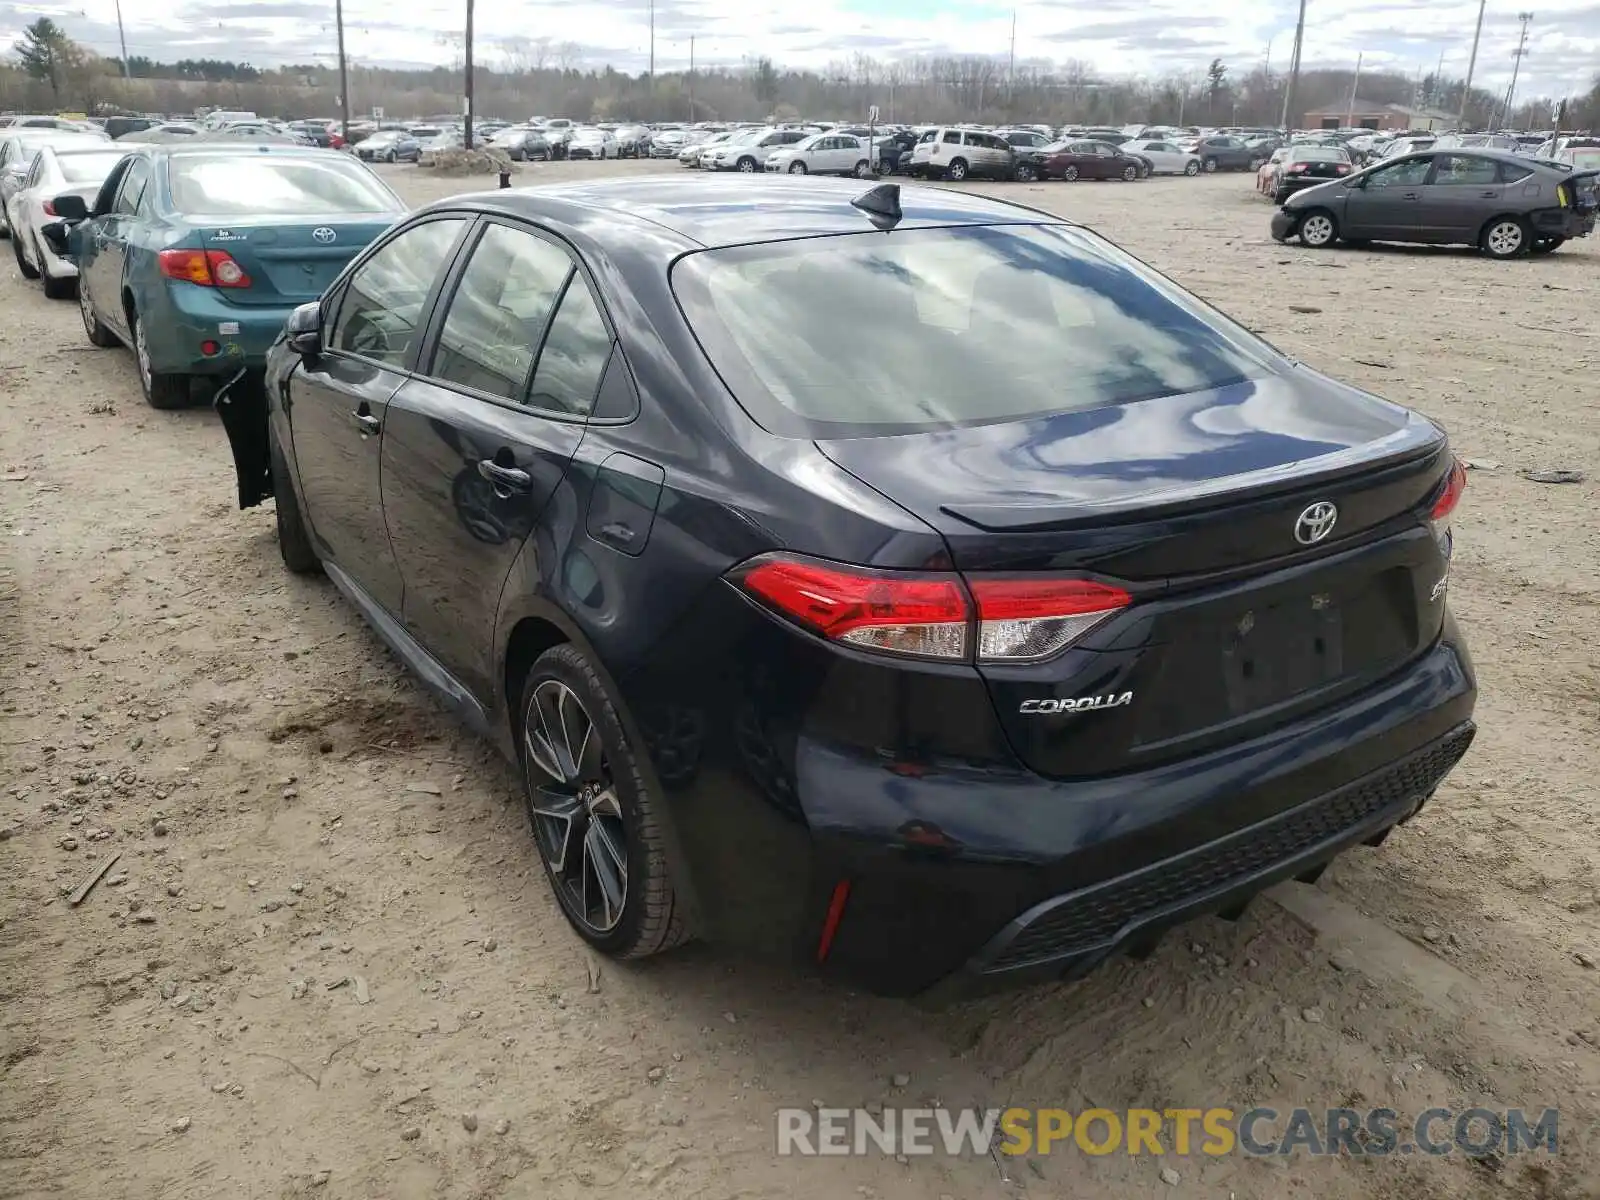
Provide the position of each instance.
(1011, 67)
(123, 38)
(1350, 109)
(466, 136)
(691, 77)
(1516, 65)
(1294, 66)
(1472, 63)
(652, 47)
(344, 75)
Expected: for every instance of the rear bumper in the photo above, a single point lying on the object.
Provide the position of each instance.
(1025, 878)
(196, 315)
(1562, 222)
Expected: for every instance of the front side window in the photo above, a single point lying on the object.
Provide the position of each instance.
(498, 313)
(952, 137)
(381, 308)
(1409, 173)
(918, 328)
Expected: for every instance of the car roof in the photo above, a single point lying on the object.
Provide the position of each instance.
(727, 212)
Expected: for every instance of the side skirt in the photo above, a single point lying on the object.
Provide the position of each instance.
(435, 676)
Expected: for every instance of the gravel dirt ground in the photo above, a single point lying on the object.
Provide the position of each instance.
(326, 962)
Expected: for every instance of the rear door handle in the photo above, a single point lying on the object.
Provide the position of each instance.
(509, 479)
(365, 421)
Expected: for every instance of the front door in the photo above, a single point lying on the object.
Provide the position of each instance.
(1464, 192)
(1389, 202)
(476, 448)
(338, 402)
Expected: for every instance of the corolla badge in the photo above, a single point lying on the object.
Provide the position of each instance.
(1081, 704)
(323, 234)
(1315, 523)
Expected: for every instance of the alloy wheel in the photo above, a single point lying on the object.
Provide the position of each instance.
(747, 165)
(797, 168)
(1504, 238)
(85, 308)
(1316, 230)
(141, 351)
(577, 816)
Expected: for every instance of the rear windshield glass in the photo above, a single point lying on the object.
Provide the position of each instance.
(246, 185)
(87, 168)
(1585, 160)
(1320, 154)
(918, 329)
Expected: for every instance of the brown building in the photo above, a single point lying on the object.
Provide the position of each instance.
(1365, 114)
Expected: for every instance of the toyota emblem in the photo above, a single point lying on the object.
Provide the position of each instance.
(1315, 523)
(323, 234)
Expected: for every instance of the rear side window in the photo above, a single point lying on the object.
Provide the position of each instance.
(952, 137)
(378, 316)
(498, 313)
(920, 328)
(574, 356)
(1516, 172)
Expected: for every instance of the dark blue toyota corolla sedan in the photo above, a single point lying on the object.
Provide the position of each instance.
(906, 580)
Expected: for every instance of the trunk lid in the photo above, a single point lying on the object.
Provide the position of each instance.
(1191, 503)
(290, 262)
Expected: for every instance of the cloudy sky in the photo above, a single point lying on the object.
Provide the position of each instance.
(1117, 37)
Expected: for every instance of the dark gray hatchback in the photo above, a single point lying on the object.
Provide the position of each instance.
(1506, 204)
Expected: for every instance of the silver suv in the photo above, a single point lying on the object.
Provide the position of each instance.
(748, 151)
(958, 153)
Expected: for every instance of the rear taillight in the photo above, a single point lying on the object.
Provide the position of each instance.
(1454, 484)
(1021, 620)
(208, 268)
(49, 208)
(1296, 168)
(1341, 169)
(898, 613)
(930, 615)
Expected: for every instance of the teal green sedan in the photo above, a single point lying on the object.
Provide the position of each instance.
(193, 256)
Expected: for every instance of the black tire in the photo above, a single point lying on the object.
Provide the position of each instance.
(863, 169)
(294, 540)
(797, 168)
(610, 791)
(1191, 168)
(957, 170)
(161, 390)
(1210, 166)
(29, 271)
(1129, 174)
(1146, 170)
(1280, 195)
(1255, 163)
(747, 165)
(1324, 229)
(391, 157)
(1027, 173)
(1070, 173)
(1505, 237)
(99, 334)
(1546, 245)
(64, 288)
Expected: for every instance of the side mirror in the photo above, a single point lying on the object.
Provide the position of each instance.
(304, 330)
(70, 207)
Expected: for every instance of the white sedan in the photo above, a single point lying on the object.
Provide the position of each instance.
(1166, 158)
(593, 143)
(824, 154)
(79, 168)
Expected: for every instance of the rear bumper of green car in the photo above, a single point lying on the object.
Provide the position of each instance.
(203, 334)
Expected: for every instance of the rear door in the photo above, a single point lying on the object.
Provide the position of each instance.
(338, 402)
(108, 237)
(1464, 191)
(477, 444)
